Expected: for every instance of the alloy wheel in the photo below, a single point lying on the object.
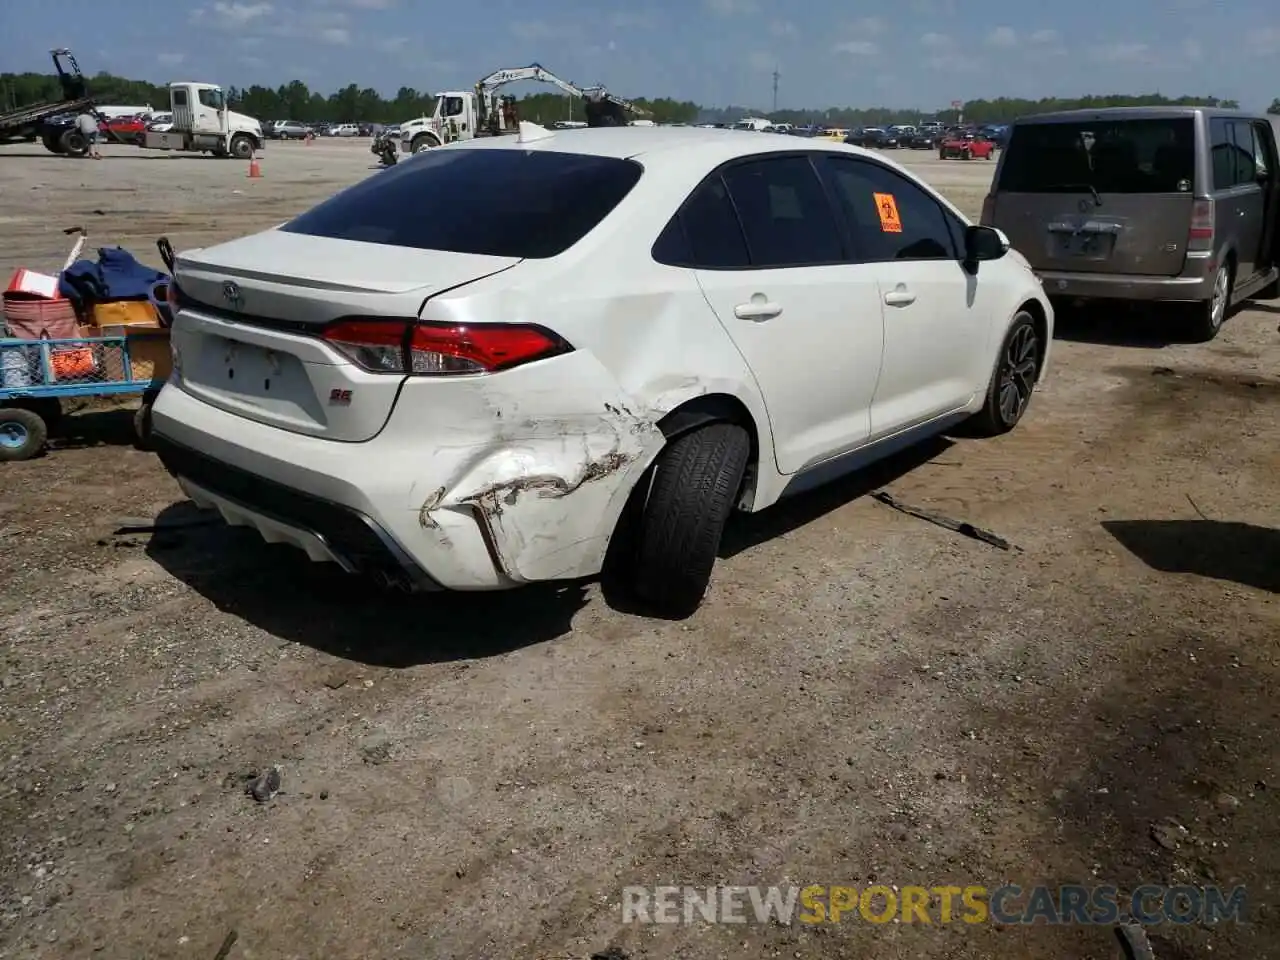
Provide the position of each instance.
(1018, 373)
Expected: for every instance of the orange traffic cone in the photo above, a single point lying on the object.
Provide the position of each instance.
(255, 171)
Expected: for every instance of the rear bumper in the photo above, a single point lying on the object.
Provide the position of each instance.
(486, 499)
(1193, 284)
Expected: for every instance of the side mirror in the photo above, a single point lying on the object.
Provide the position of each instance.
(984, 243)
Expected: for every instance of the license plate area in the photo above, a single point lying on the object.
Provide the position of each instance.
(254, 372)
(1085, 241)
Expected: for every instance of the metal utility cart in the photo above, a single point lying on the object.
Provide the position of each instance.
(37, 375)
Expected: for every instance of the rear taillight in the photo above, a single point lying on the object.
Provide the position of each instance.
(1200, 236)
(441, 349)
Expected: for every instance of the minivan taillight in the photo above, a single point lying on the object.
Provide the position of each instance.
(1200, 236)
(441, 349)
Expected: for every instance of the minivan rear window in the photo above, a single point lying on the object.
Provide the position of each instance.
(1150, 155)
(496, 202)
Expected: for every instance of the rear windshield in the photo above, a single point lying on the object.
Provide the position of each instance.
(496, 202)
(1118, 156)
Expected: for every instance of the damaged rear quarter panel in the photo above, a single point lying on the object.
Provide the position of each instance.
(550, 483)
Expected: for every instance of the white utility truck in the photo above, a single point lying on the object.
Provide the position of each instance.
(202, 123)
(482, 112)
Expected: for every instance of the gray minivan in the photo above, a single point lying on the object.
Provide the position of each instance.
(1175, 204)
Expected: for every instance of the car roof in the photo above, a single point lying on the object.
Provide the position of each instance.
(1133, 113)
(662, 144)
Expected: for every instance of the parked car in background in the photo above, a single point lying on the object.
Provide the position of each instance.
(1174, 205)
(344, 130)
(160, 123)
(924, 139)
(288, 130)
(480, 402)
(966, 146)
(873, 138)
(124, 129)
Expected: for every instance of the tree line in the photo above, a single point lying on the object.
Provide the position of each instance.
(353, 104)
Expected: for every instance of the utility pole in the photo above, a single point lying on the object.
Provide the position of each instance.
(776, 75)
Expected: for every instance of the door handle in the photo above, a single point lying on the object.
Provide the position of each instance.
(902, 297)
(757, 311)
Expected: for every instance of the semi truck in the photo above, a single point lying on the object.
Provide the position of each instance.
(204, 123)
(484, 112)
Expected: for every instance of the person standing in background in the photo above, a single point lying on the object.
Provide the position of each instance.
(88, 125)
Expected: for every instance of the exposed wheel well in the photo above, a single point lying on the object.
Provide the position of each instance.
(716, 408)
(1034, 308)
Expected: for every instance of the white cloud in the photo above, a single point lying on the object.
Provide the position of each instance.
(935, 41)
(229, 16)
(857, 48)
(1123, 53)
(868, 27)
(339, 36)
(171, 59)
(1045, 36)
(1003, 37)
(784, 28)
(544, 30)
(1265, 42)
(732, 8)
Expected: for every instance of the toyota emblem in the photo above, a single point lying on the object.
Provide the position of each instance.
(231, 294)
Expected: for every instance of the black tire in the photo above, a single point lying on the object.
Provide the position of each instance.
(1205, 319)
(142, 426)
(48, 409)
(23, 434)
(74, 143)
(1013, 379)
(423, 141)
(242, 147)
(692, 489)
(52, 142)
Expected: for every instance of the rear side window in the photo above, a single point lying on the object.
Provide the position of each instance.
(1155, 155)
(496, 202)
(784, 212)
(714, 236)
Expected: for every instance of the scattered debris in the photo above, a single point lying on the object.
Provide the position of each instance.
(1169, 834)
(266, 785)
(227, 944)
(1134, 942)
(130, 525)
(956, 526)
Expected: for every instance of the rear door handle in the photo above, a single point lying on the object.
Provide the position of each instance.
(901, 297)
(757, 311)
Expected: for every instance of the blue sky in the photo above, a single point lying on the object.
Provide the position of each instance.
(909, 53)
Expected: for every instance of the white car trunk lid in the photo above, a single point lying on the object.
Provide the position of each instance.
(247, 335)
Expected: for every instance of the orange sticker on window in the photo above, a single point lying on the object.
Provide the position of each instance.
(887, 207)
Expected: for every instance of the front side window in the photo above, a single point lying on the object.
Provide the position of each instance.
(890, 217)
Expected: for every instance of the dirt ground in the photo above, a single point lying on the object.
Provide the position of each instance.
(864, 697)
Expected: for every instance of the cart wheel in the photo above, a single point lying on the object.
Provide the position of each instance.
(48, 409)
(142, 426)
(22, 434)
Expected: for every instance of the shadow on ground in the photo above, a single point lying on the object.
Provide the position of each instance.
(1237, 552)
(98, 428)
(275, 588)
(752, 529)
(1120, 325)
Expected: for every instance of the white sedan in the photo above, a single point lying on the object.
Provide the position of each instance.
(452, 386)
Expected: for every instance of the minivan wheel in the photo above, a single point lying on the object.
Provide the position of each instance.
(1208, 315)
(1014, 379)
(692, 490)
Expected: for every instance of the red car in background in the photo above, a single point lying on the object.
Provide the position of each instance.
(966, 146)
(126, 129)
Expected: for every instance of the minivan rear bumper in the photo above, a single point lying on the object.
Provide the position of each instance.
(1194, 283)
